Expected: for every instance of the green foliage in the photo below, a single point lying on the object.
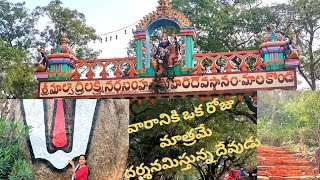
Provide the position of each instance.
(72, 23)
(145, 144)
(226, 25)
(12, 163)
(187, 175)
(21, 171)
(16, 76)
(18, 38)
(85, 52)
(289, 118)
(17, 24)
(306, 23)
(131, 49)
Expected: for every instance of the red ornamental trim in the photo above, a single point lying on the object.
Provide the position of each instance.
(139, 35)
(41, 75)
(268, 44)
(62, 55)
(243, 55)
(191, 32)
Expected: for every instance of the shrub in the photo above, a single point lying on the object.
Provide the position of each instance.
(13, 166)
(308, 136)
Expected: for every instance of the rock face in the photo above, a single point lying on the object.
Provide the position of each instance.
(108, 142)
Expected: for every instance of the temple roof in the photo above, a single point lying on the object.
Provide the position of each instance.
(164, 11)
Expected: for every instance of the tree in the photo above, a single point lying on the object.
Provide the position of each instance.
(17, 24)
(145, 144)
(289, 119)
(305, 15)
(16, 76)
(72, 24)
(17, 38)
(226, 25)
(84, 52)
(13, 165)
(131, 49)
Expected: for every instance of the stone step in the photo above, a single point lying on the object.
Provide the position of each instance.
(286, 167)
(290, 178)
(275, 163)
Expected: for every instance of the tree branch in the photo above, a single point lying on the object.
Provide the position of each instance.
(200, 170)
(253, 118)
(244, 42)
(304, 76)
(135, 114)
(314, 31)
(250, 105)
(235, 105)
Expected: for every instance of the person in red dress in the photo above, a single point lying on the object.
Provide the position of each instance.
(81, 172)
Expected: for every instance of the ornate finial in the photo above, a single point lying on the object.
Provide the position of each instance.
(270, 27)
(163, 2)
(164, 7)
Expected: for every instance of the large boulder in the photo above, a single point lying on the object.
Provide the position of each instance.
(108, 145)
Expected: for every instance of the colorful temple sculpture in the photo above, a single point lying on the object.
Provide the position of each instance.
(294, 57)
(42, 65)
(59, 65)
(166, 66)
(273, 49)
(154, 57)
(277, 53)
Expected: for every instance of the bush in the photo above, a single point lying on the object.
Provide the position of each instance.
(308, 136)
(13, 166)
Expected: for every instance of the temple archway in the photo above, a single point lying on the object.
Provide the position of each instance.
(165, 16)
(192, 75)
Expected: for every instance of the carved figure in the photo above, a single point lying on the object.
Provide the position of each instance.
(42, 61)
(174, 50)
(292, 45)
(162, 54)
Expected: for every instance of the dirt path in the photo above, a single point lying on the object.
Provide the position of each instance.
(275, 163)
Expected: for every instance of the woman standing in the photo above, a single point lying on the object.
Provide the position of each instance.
(81, 172)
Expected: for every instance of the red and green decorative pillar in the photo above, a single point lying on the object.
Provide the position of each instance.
(188, 37)
(141, 52)
(272, 51)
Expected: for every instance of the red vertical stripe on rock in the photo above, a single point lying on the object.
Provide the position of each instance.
(59, 138)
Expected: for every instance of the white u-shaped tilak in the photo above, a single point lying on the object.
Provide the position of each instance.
(34, 114)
